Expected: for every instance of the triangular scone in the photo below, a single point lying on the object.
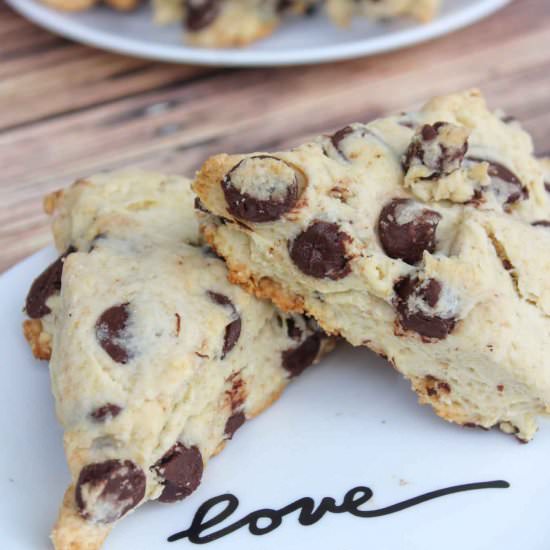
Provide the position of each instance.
(156, 359)
(423, 236)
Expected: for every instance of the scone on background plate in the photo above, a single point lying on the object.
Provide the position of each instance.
(423, 236)
(156, 360)
(342, 11)
(234, 23)
(227, 23)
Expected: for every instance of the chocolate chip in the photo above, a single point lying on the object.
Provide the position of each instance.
(547, 186)
(284, 5)
(339, 136)
(260, 189)
(293, 331)
(181, 470)
(44, 286)
(296, 360)
(434, 386)
(233, 329)
(105, 491)
(110, 330)
(439, 147)
(504, 183)
(199, 205)
(406, 229)
(105, 412)
(201, 13)
(234, 422)
(541, 223)
(349, 152)
(416, 303)
(320, 251)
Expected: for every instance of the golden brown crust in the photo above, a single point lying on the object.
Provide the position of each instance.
(123, 5)
(72, 532)
(39, 341)
(51, 201)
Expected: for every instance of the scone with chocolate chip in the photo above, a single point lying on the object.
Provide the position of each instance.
(156, 360)
(227, 23)
(423, 236)
(342, 11)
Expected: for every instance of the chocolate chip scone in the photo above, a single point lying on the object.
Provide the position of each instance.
(227, 23)
(156, 360)
(422, 236)
(342, 11)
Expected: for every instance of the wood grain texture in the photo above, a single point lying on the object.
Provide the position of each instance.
(67, 110)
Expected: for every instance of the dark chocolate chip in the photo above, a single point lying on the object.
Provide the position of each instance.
(412, 291)
(181, 470)
(406, 230)
(441, 157)
(505, 184)
(233, 329)
(541, 223)
(282, 193)
(428, 132)
(110, 330)
(284, 5)
(201, 13)
(105, 412)
(547, 186)
(107, 490)
(296, 360)
(338, 137)
(234, 422)
(44, 286)
(320, 251)
(293, 331)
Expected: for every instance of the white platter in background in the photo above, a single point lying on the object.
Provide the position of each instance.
(304, 40)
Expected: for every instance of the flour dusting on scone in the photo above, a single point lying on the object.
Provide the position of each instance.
(156, 360)
(424, 236)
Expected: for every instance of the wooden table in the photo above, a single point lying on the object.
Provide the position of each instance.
(67, 110)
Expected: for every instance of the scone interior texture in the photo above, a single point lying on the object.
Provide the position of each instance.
(156, 360)
(424, 236)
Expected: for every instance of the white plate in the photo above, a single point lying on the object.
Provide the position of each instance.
(349, 422)
(309, 40)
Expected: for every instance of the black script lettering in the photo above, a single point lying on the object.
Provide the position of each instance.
(308, 515)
